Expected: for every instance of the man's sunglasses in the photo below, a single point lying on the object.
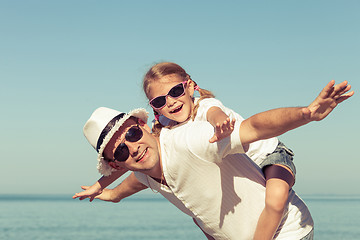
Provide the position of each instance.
(175, 92)
(134, 134)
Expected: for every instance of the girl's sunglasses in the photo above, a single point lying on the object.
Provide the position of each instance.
(134, 134)
(175, 92)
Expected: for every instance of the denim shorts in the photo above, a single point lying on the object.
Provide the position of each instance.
(282, 156)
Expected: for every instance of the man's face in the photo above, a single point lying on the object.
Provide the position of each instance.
(143, 155)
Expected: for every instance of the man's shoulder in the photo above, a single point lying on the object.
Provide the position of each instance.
(188, 131)
(192, 136)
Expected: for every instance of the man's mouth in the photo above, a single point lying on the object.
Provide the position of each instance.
(142, 155)
(178, 109)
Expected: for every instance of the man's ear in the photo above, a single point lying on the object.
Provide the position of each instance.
(144, 125)
(114, 165)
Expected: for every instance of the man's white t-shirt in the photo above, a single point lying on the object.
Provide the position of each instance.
(222, 189)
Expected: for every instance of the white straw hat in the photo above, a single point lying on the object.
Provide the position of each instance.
(102, 125)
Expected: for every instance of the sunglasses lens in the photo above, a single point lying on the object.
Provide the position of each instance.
(121, 153)
(134, 134)
(158, 102)
(177, 91)
(174, 92)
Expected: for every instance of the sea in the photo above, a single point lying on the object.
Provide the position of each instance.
(144, 216)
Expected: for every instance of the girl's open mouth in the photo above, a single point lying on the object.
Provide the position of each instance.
(177, 109)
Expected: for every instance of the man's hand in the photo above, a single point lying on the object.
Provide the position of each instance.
(106, 195)
(327, 100)
(89, 192)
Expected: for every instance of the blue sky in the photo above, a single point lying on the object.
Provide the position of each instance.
(59, 60)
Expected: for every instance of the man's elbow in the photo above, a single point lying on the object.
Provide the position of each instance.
(248, 132)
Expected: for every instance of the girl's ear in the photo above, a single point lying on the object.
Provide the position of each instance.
(191, 86)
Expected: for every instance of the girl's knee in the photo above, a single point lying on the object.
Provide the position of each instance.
(277, 193)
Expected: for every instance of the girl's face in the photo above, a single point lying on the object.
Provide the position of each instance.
(177, 109)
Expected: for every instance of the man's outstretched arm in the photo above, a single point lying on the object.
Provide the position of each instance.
(275, 122)
(126, 188)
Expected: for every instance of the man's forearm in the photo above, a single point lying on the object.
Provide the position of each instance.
(105, 181)
(275, 122)
(271, 123)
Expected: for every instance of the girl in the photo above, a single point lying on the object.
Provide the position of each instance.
(170, 92)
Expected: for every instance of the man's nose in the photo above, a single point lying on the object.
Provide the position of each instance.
(133, 148)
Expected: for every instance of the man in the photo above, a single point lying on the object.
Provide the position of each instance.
(216, 184)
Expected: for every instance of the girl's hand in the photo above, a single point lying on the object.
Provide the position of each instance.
(223, 130)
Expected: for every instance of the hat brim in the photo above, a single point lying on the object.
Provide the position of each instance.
(103, 167)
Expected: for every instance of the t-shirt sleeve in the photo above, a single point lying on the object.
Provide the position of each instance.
(205, 105)
(142, 178)
(213, 152)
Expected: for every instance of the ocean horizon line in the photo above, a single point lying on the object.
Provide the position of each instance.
(150, 197)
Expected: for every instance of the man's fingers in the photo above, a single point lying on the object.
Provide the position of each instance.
(344, 97)
(327, 90)
(339, 88)
(335, 91)
(344, 90)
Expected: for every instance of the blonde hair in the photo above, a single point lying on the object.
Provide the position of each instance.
(161, 70)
